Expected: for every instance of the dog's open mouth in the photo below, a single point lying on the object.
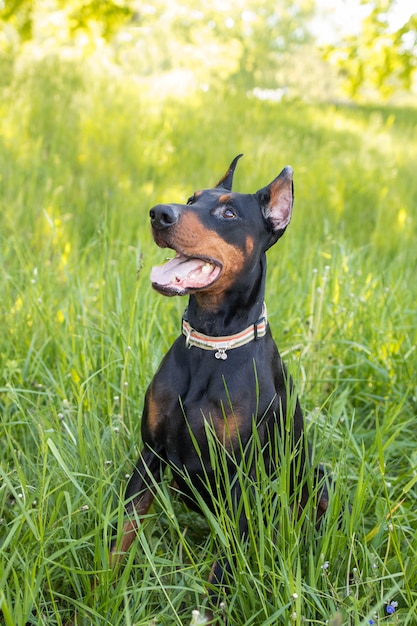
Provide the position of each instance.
(182, 274)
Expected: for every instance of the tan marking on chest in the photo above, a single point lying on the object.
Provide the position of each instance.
(227, 429)
(154, 413)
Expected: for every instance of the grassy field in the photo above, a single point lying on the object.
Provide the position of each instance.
(82, 159)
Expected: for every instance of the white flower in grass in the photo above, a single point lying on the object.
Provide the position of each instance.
(197, 618)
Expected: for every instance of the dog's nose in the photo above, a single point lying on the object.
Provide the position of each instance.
(163, 215)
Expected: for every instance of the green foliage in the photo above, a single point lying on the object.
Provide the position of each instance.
(84, 15)
(19, 14)
(258, 44)
(379, 59)
(219, 40)
(82, 159)
(109, 16)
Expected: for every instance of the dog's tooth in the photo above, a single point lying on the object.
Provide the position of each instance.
(206, 268)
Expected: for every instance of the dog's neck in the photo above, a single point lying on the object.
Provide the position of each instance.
(228, 314)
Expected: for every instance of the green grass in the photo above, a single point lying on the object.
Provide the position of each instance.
(82, 160)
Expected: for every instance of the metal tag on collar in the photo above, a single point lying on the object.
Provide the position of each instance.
(221, 354)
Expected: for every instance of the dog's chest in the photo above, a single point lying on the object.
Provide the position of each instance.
(203, 399)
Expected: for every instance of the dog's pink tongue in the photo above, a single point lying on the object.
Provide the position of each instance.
(182, 272)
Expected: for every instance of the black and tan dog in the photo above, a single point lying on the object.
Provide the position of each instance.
(225, 365)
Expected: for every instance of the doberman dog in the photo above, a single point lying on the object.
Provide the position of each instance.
(225, 366)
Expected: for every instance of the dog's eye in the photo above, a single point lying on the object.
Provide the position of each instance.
(228, 213)
(191, 200)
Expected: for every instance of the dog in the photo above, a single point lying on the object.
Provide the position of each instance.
(224, 366)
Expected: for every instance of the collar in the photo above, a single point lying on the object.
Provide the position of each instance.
(227, 342)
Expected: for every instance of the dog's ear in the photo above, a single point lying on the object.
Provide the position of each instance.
(276, 200)
(227, 180)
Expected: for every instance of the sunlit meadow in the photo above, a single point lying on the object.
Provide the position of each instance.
(83, 156)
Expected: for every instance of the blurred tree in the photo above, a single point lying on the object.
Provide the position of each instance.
(254, 33)
(81, 14)
(238, 39)
(379, 58)
(111, 16)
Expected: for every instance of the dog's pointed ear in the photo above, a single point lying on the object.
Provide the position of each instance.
(276, 200)
(227, 181)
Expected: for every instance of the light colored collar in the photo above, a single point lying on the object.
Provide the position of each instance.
(228, 342)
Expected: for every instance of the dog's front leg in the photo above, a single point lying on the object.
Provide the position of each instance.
(140, 493)
(221, 572)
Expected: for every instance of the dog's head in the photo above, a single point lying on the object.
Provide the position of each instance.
(219, 234)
